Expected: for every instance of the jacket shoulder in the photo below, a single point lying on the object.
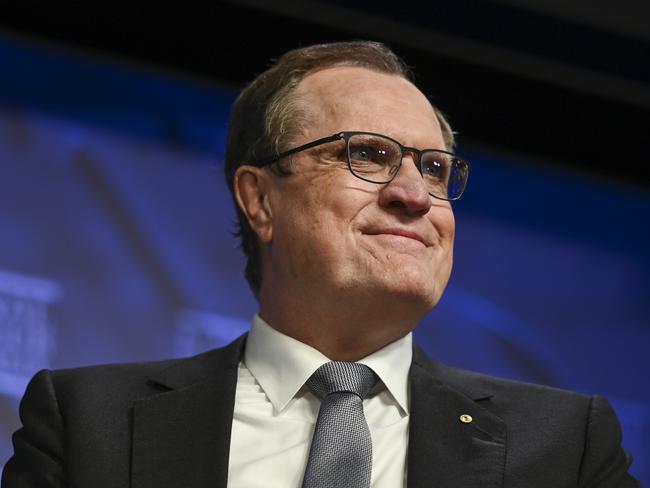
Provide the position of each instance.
(480, 385)
(513, 400)
(102, 386)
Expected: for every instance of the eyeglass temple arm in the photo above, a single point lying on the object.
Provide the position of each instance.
(298, 149)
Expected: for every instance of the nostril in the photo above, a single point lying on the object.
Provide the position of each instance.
(397, 204)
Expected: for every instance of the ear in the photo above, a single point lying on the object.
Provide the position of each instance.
(251, 186)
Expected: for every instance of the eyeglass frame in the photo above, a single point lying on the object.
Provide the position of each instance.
(346, 135)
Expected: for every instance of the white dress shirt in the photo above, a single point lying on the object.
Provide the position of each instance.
(275, 413)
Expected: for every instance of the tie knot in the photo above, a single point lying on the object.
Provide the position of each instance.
(338, 376)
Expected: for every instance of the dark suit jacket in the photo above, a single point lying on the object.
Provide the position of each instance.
(167, 424)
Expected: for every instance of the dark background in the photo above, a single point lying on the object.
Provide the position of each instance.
(566, 83)
(115, 240)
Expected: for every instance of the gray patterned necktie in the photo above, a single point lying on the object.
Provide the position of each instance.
(341, 449)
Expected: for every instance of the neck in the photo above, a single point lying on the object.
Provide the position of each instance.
(341, 331)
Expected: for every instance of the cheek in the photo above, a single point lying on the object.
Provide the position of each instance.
(334, 201)
(312, 218)
(444, 223)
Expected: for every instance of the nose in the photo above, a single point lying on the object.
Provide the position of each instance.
(407, 191)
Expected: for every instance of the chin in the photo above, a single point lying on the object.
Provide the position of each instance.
(414, 290)
(404, 279)
(418, 287)
(425, 299)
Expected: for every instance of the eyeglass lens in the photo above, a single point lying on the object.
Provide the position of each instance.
(377, 159)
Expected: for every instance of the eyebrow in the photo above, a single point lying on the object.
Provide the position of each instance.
(334, 147)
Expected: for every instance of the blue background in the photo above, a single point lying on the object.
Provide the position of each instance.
(116, 244)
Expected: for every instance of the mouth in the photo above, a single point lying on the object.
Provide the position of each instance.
(397, 233)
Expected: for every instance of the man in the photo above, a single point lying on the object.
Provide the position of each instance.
(343, 173)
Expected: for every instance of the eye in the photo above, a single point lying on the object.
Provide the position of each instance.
(373, 150)
(359, 153)
(433, 168)
(436, 166)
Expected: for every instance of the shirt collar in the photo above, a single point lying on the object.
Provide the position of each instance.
(281, 365)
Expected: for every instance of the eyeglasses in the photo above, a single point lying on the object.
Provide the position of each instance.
(377, 159)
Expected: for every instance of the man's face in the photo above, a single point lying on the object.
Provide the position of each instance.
(337, 236)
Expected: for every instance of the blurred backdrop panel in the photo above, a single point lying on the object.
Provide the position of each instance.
(116, 242)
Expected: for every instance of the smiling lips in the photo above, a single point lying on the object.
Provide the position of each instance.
(398, 232)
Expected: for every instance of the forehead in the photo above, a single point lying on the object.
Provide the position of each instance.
(353, 98)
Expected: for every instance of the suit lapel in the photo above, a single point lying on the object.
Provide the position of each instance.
(181, 437)
(444, 451)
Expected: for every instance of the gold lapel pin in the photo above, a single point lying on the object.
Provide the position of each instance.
(466, 419)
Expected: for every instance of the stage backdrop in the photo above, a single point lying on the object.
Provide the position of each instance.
(116, 244)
